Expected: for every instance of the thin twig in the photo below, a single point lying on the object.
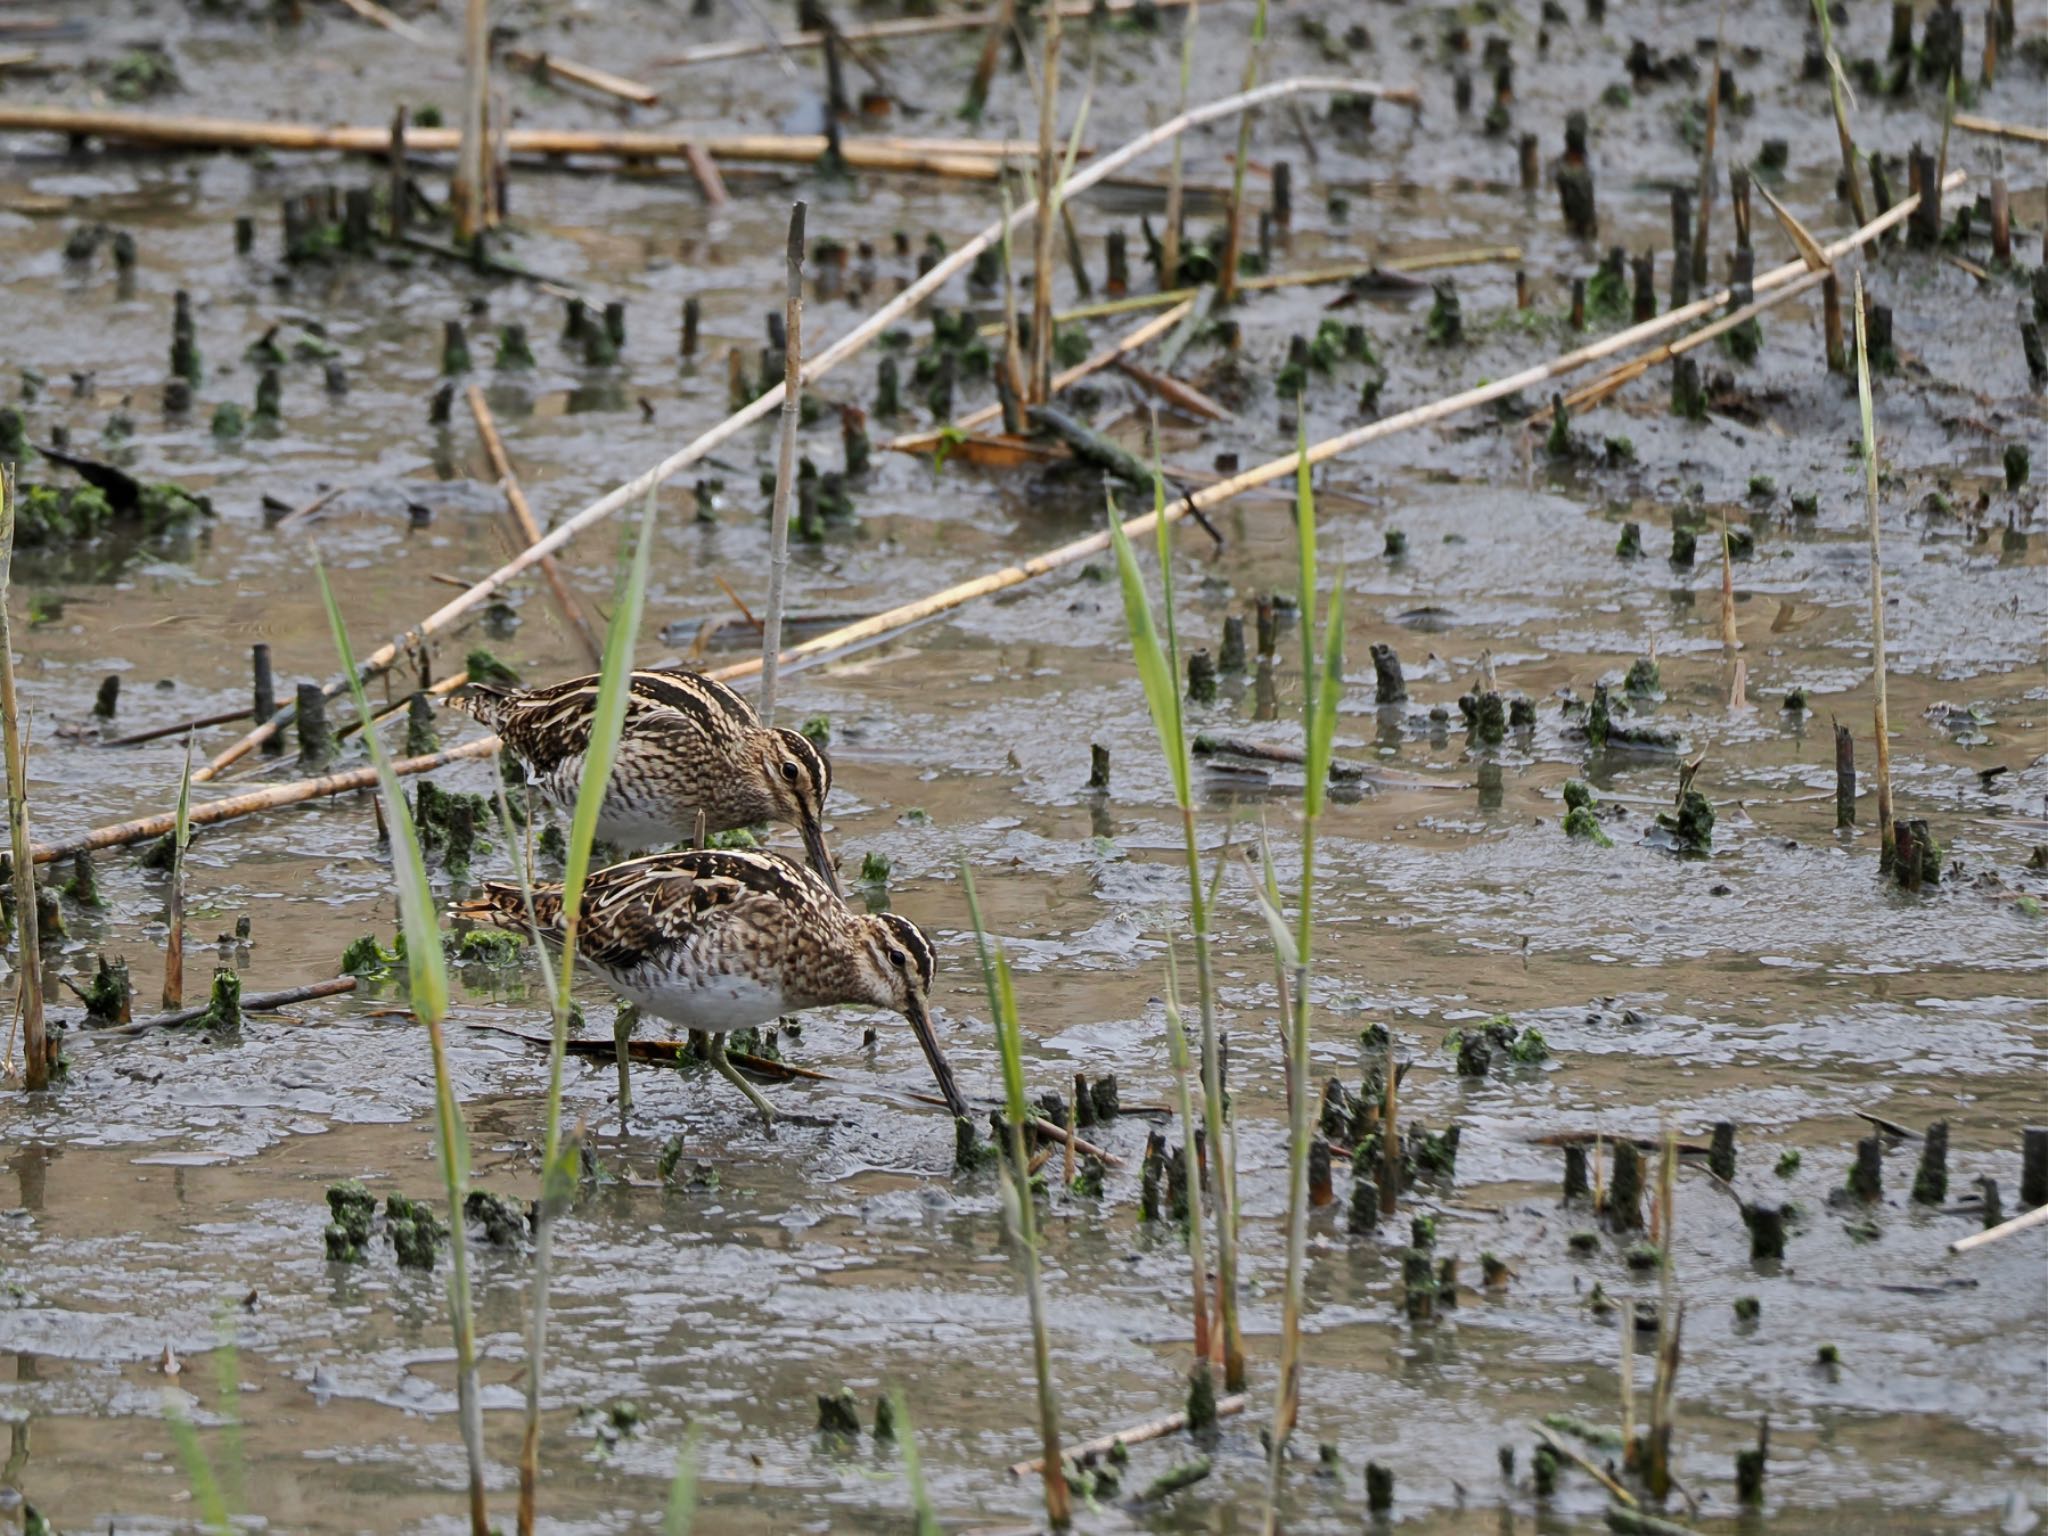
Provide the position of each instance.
(28, 946)
(785, 462)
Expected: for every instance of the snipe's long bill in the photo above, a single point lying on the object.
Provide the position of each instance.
(690, 747)
(720, 939)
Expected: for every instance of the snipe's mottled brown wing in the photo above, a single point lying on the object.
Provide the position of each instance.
(637, 910)
(545, 727)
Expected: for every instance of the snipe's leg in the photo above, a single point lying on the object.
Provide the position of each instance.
(732, 1074)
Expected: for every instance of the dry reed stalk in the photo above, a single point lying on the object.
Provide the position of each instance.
(1703, 195)
(1233, 240)
(1183, 397)
(602, 80)
(438, 690)
(1730, 639)
(1169, 237)
(1049, 190)
(121, 834)
(1877, 662)
(1000, 20)
(1138, 1434)
(174, 894)
(468, 194)
(1159, 325)
(35, 1047)
(529, 530)
(635, 146)
(2032, 1218)
(1837, 98)
(1971, 123)
(179, 727)
(785, 461)
(909, 26)
(832, 356)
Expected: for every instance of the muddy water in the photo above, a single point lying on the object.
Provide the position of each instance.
(169, 1196)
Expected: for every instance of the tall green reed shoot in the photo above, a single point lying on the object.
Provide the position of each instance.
(560, 1162)
(913, 1470)
(427, 975)
(1321, 686)
(1198, 1246)
(1019, 1212)
(1158, 664)
(680, 1514)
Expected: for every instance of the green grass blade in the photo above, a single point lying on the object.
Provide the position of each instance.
(1010, 1039)
(607, 721)
(1305, 542)
(913, 1469)
(681, 1511)
(426, 968)
(1155, 671)
(1322, 725)
(213, 1507)
(1276, 920)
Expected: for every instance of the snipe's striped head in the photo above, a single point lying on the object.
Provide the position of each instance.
(799, 777)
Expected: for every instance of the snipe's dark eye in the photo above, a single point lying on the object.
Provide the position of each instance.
(898, 959)
(791, 772)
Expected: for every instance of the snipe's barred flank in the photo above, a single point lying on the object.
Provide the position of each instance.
(720, 939)
(689, 746)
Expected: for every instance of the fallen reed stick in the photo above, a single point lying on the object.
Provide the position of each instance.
(633, 145)
(909, 26)
(121, 834)
(816, 368)
(1970, 123)
(529, 530)
(252, 1002)
(1329, 448)
(1584, 1463)
(178, 728)
(1158, 325)
(397, 25)
(602, 80)
(2033, 1218)
(1138, 1434)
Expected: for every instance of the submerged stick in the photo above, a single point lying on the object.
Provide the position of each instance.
(844, 348)
(583, 74)
(1137, 1434)
(529, 530)
(785, 460)
(252, 1002)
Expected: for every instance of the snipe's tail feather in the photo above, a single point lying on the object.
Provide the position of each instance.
(483, 702)
(502, 904)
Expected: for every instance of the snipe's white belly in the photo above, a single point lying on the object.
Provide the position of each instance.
(706, 1001)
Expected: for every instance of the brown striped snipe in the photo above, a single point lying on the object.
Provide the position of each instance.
(690, 747)
(720, 939)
